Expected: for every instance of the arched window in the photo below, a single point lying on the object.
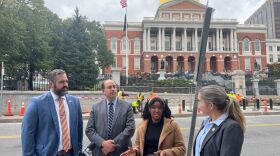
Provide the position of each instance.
(136, 45)
(113, 44)
(246, 46)
(257, 45)
(124, 44)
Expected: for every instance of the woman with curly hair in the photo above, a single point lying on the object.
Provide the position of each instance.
(158, 133)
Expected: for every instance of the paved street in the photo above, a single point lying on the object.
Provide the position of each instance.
(262, 136)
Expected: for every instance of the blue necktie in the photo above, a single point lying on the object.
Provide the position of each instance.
(110, 119)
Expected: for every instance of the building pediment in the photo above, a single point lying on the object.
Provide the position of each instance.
(182, 5)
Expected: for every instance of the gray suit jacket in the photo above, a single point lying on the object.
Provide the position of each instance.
(223, 140)
(122, 129)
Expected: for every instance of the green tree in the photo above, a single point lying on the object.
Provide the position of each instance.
(274, 70)
(105, 57)
(76, 55)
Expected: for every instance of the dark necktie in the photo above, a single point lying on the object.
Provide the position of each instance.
(110, 119)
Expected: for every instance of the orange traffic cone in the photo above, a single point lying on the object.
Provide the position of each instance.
(22, 109)
(265, 105)
(180, 108)
(9, 110)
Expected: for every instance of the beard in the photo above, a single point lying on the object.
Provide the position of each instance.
(60, 92)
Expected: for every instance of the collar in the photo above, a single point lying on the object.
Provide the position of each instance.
(217, 122)
(55, 97)
(114, 101)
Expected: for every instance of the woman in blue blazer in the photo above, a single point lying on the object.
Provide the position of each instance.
(222, 132)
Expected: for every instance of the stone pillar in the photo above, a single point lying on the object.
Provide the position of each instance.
(195, 40)
(163, 39)
(256, 87)
(278, 86)
(231, 40)
(185, 40)
(159, 39)
(221, 40)
(145, 39)
(174, 40)
(116, 75)
(217, 40)
(238, 79)
(235, 41)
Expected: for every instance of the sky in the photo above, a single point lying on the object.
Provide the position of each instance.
(110, 10)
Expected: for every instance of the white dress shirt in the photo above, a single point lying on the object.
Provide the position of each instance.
(66, 108)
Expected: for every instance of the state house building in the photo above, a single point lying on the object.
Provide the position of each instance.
(174, 35)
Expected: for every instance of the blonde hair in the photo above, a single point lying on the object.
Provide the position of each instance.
(217, 95)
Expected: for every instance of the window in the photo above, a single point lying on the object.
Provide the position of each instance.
(178, 43)
(278, 48)
(257, 46)
(137, 45)
(246, 46)
(270, 58)
(153, 43)
(167, 42)
(176, 17)
(114, 45)
(124, 45)
(210, 46)
(186, 17)
(259, 61)
(189, 43)
(165, 15)
(124, 62)
(247, 64)
(270, 48)
(137, 62)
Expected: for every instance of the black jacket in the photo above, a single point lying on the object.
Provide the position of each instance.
(223, 140)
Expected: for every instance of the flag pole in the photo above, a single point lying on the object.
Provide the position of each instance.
(126, 44)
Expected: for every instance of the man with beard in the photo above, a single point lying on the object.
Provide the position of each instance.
(53, 123)
(111, 123)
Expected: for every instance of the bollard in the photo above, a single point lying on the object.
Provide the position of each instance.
(270, 104)
(244, 103)
(258, 103)
(183, 105)
(166, 101)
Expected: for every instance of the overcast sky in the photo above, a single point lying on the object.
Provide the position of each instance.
(110, 10)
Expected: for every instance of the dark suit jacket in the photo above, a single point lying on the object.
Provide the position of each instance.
(40, 127)
(122, 129)
(223, 140)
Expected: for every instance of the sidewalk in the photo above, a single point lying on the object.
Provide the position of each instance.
(250, 111)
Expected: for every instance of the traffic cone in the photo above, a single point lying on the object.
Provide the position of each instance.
(265, 105)
(9, 110)
(22, 109)
(180, 108)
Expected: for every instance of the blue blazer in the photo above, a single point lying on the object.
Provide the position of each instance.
(40, 126)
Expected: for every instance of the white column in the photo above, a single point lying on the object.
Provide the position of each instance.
(217, 40)
(207, 46)
(214, 41)
(228, 36)
(196, 46)
(185, 39)
(159, 39)
(231, 40)
(221, 40)
(149, 39)
(174, 40)
(235, 41)
(163, 39)
(193, 41)
(144, 39)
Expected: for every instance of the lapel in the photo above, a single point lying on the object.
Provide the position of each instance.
(103, 108)
(71, 113)
(142, 132)
(50, 102)
(116, 113)
(167, 128)
(211, 132)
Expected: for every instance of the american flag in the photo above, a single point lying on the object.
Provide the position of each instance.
(123, 3)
